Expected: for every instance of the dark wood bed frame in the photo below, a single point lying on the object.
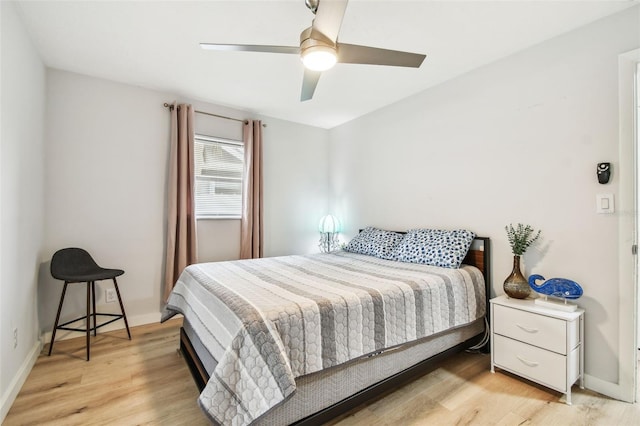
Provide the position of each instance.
(478, 258)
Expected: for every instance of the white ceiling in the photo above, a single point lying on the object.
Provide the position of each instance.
(154, 44)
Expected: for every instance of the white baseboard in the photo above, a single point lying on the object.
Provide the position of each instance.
(143, 319)
(18, 380)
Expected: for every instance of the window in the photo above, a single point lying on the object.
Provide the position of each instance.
(219, 167)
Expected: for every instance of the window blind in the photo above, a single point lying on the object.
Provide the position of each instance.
(219, 165)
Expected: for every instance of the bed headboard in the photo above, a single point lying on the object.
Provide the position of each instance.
(479, 255)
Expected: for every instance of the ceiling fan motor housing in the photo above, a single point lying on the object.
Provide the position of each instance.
(310, 37)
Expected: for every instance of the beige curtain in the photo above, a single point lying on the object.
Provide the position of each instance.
(251, 240)
(181, 226)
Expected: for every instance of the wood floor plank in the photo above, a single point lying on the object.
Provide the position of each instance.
(145, 381)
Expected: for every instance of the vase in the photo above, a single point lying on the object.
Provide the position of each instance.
(516, 284)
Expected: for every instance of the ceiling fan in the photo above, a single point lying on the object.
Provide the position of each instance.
(320, 50)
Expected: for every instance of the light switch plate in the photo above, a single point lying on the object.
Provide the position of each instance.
(605, 204)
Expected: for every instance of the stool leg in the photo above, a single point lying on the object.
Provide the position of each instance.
(124, 316)
(93, 299)
(88, 318)
(55, 325)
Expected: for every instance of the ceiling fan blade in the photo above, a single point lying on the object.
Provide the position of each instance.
(329, 18)
(354, 54)
(251, 48)
(309, 83)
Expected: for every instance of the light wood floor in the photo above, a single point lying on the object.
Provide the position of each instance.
(146, 382)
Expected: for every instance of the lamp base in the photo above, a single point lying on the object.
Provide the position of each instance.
(329, 242)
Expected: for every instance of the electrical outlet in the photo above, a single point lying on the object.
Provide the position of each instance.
(110, 295)
(15, 338)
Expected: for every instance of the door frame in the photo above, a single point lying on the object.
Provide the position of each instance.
(625, 389)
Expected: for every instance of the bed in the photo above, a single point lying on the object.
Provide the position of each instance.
(302, 339)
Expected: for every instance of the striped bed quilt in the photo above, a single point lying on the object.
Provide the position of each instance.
(268, 321)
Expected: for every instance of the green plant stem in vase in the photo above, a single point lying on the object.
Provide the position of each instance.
(520, 238)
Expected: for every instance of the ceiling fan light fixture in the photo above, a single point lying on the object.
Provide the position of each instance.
(319, 58)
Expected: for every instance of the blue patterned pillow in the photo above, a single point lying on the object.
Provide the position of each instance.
(375, 242)
(434, 247)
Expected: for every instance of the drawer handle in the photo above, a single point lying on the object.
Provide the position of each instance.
(527, 362)
(527, 329)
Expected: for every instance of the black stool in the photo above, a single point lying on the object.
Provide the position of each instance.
(75, 265)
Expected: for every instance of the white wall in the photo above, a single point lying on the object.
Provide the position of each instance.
(295, 186)
(22, 103)
(515, 141)
(107, 154)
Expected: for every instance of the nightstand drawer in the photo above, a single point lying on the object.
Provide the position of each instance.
(539, 365)
(544, 332)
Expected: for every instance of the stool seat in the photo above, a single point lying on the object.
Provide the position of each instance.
(75, 265)
(91, 275)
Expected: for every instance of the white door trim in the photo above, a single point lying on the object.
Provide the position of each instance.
(627, 270)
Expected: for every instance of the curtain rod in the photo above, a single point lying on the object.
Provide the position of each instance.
(166, 105)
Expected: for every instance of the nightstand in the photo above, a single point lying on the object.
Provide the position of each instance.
(543, 345)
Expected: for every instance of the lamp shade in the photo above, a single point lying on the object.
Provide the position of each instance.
(330, 224)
